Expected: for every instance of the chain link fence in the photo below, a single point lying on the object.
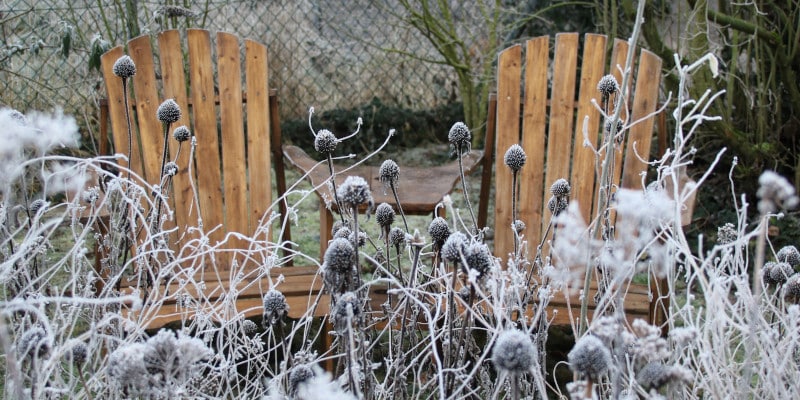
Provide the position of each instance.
(322, 53)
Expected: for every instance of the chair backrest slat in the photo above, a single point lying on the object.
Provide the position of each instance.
(232, 133)
(534, 124)
(641, 134)
(151, 134)
(209, 177)
(258, 131)
(116, 108)
(174, 87)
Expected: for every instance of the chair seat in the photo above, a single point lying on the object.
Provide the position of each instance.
(420, 189)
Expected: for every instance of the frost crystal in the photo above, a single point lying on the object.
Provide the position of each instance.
(514, 352)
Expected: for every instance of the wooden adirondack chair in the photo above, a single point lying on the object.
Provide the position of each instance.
(548, 123)
(231, 166)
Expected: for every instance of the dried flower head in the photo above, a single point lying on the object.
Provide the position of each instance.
(37, 205)
(654, 375)
(608, 85)
(519, 226)
(791, 289)
(590, 357)
(454, 247)
(300, 374)
(124, 67)
(788, 254)
(34, 343)
(339, 256)
(361, 240)
(343, 232)
(384, 215)
(389, 173)
(460, 136)
(775, 193)
(396, 236)
(560, 188)
(126, 368)
(325, 141)
(479, 258)
(182, 133)
(780, 273)
(726, 233)
(78, 354)
(170, 11)
(347, 308)
(514, 352)
(249, 327)
(557, 205)
(169, 112)
(354, 192)
(170, 169)
(275, 307)
(608, 125)
(766, 273)
(515, 157)
(439, 231)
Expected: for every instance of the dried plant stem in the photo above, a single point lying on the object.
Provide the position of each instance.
(464, 186)
(333, 186)
(399, 206)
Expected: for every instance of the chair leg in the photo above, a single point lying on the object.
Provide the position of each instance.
(325, 225)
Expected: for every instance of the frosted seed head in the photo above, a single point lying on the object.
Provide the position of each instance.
(479, 258)
(325, 141)
(780, 273)
(560, 188)
(354, 192)
(514, 352)
(124, 67)
(275, 307)
(788, 254)
(557, 205)
(78, 354)
(726, 233)
(389, 172)
(791, 289)
(249, 327)
(170, 169)
(36, 206)
(590, 357)
(347, 308)
(608, 85)
(339, 256)
(515, 157)
(460, 136)
(439, 231)
(775, 193)
(169, 112)
(519, 226)
(766, 273)
(181, 133)
(384, 215)
(454, 247)
(299, 375)
(396, 236)
(33, 343)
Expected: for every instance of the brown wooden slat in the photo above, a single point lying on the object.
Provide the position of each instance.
(116, 107)
(562, 109)
(232, 134)
(534, 122)
(151, 132)
(174, 82)
(641, 135)
(486, 163)
(258, 132)
(508, 112)
(584, 158)
(201, 74)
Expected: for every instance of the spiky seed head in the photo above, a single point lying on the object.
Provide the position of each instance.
(396, 236)
(343, 233)
(354, 192)
(169, 112)
(460, 136)
(454, 247)
(347, 308)
(182, 133)
(384, 215)
(519, 226)
(439, 231)
(249, 327)
(589, 357)
(33, 343)
(514, 352)
(170, 169)
(275, 306)
(361, 240)
(339, 256)
(78, 354)
(325, 141)
(781, 272)
(560, 188)
(389, 172)
(788, 254)
(124, 67)
(557, 205)
(654, 375)
(608, 85)
(609, 125)
(791, 289)
(726, 233)
(766, 273)
(36, 206)
(515, 157)
(300, 374)
(479, 258)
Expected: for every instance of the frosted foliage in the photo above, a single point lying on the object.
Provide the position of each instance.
(775, 193)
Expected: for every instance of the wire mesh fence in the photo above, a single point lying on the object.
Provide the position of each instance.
(322, 54)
